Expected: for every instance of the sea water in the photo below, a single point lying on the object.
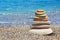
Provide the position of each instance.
(21, 12)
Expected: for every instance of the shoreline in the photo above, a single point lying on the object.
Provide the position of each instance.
(21, 33)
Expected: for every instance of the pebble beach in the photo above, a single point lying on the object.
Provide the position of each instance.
(16, 19)
(22, 33)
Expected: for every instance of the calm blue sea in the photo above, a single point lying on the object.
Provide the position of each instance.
(23, 10)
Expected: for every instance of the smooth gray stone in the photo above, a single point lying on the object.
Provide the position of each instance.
(41, 22)
(41, 31)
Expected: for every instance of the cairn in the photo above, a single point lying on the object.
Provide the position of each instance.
(41, 25)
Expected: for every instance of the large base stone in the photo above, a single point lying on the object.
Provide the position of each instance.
(41, 31)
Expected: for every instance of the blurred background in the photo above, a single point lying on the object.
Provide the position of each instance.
(19, 12)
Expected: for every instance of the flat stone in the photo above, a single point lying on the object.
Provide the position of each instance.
(41, 22)
(40, 18)
(44, 15)
(40, 11)
(37, 13)
(41, 27)
(41, 31)
(38, 23)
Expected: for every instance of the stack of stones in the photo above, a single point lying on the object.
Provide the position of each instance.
(41, 22)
